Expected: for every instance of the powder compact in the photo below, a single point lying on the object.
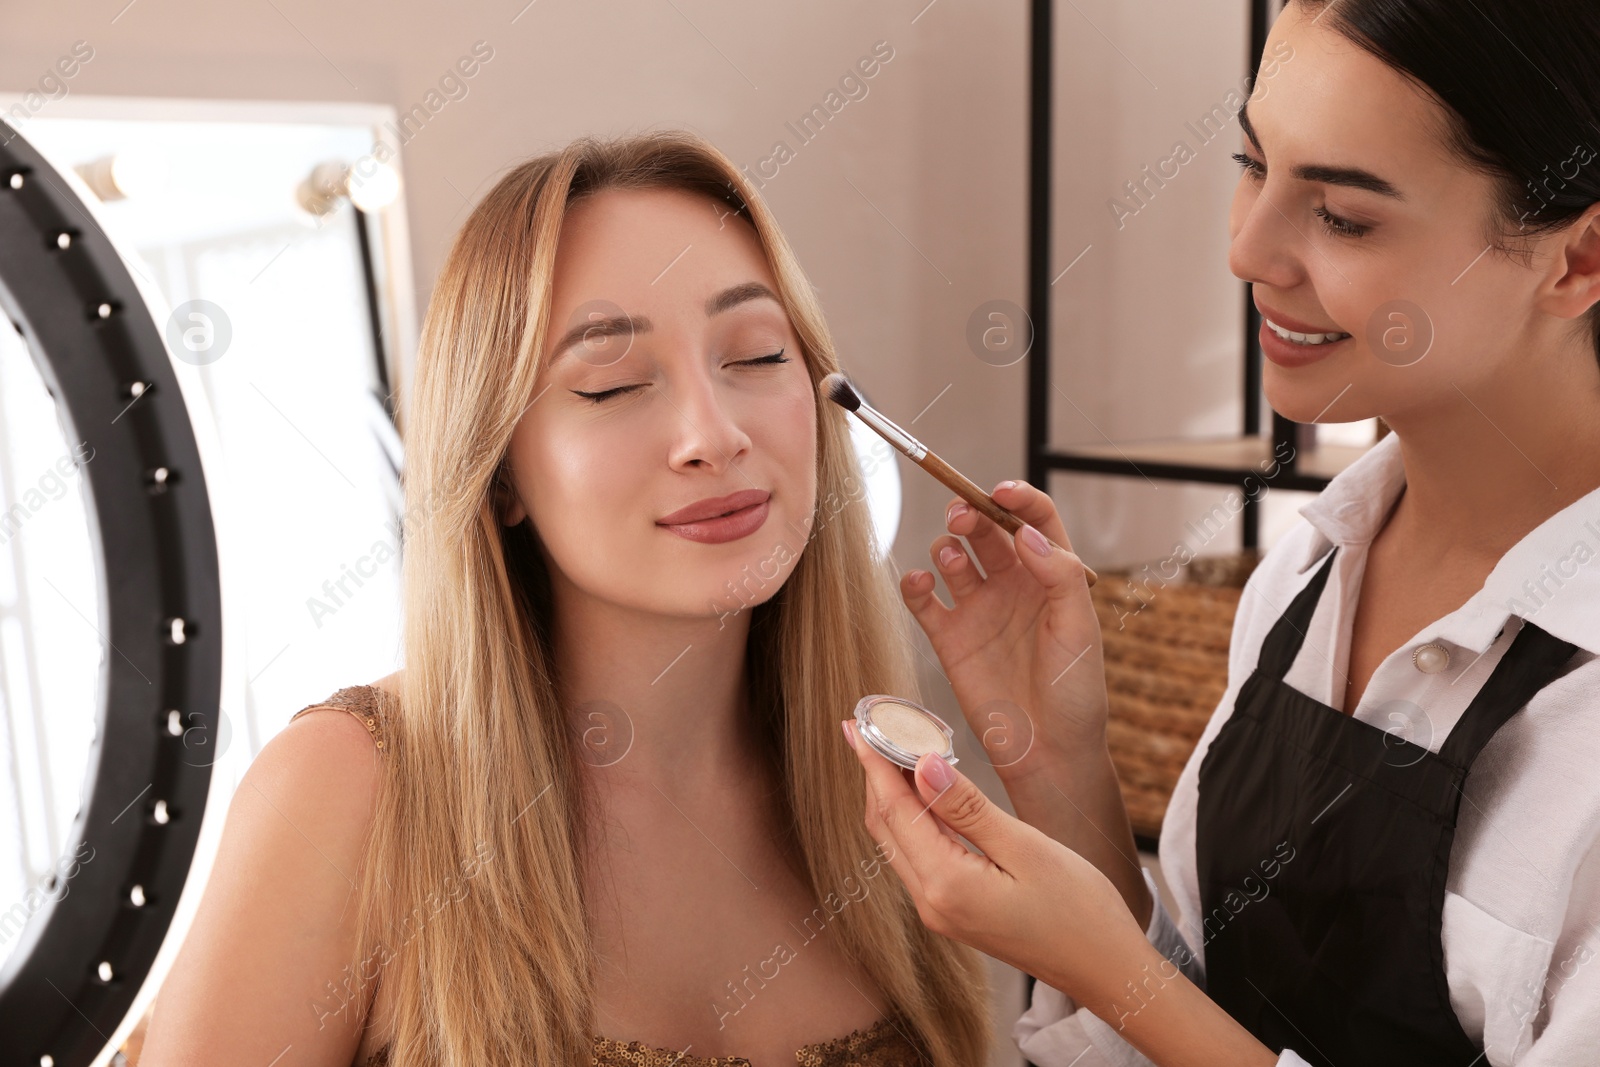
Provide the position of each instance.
(901, 730)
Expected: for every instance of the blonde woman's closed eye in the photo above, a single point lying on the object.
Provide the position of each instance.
(606, 394)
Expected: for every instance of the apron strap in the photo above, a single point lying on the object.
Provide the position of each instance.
(1534, 659)
(1289, 632)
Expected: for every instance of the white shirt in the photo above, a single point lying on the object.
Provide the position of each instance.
(1521, 923)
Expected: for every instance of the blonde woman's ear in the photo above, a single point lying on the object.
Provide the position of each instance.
(507, 504)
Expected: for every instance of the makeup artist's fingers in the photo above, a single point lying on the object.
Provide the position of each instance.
(989, 542)
(885, 785)
(1058, 570)
(925, 849)
(917, 590)
(889, 788)
(960, 574)
(1034, 507)
(965, 808)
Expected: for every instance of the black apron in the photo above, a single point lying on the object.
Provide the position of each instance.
(1322, 844)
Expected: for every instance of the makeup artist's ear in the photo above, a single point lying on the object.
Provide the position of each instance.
(507, 504)
(1574, 278)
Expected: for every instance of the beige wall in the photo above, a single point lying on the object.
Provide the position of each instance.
(908, 210)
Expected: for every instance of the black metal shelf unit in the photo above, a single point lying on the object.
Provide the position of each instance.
(1226, 461)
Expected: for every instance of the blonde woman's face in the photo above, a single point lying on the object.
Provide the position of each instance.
(671, 376)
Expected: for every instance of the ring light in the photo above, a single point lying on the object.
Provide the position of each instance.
(83, 956)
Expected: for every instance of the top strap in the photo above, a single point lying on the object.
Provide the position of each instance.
(1283, 641)
(365, 702)
(1535, 659)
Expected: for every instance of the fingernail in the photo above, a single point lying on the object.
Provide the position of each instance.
(955, 512)
(844, 724)
(948, 556)
(1007, 484)
(1035, 540)
(939, 774)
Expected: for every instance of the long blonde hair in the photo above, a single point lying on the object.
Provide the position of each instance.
(470, 892)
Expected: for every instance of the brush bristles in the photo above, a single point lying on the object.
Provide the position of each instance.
(837, 388)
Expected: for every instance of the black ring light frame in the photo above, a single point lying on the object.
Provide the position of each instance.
(85, 953)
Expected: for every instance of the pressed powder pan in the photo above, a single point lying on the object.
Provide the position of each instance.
(901, 730)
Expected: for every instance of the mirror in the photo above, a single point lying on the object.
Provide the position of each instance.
(159, 445)
(110, 637)
(50, 643)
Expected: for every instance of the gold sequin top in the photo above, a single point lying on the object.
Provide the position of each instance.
(889, 1042)
(365, 702)
(883, 1044)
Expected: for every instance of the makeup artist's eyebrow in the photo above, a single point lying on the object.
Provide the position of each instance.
(1352, 177)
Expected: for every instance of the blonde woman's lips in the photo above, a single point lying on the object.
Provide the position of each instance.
(723, 528)
(739, 524)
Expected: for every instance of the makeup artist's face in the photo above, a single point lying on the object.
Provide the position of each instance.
(706, 394)
(1417, 264)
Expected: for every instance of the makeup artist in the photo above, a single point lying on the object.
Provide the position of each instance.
(1383, 849)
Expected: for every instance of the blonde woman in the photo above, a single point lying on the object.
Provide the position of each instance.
(602, 816)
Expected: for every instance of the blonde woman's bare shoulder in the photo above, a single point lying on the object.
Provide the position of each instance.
(264, 964)
(390, 683)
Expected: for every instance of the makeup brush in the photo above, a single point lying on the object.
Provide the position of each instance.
(837, 388)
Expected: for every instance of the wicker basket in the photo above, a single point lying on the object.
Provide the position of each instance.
(1166, 653)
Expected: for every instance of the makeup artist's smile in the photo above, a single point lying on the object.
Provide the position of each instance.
(1294, 344)
(719, 519)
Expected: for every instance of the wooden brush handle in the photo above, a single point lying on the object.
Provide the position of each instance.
(968, 490)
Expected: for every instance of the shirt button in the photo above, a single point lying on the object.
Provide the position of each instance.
(1431, 659)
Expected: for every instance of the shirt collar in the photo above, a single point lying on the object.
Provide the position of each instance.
(1551, 577)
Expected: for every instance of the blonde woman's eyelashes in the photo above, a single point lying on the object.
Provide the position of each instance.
(606, 394)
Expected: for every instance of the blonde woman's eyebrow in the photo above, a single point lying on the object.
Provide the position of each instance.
(623, 325)
(612, 326)
(735, 295)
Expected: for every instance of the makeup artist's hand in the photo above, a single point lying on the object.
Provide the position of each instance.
(1025, 899)
(1032, 902)
(1021, 644)
(1021, 647)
